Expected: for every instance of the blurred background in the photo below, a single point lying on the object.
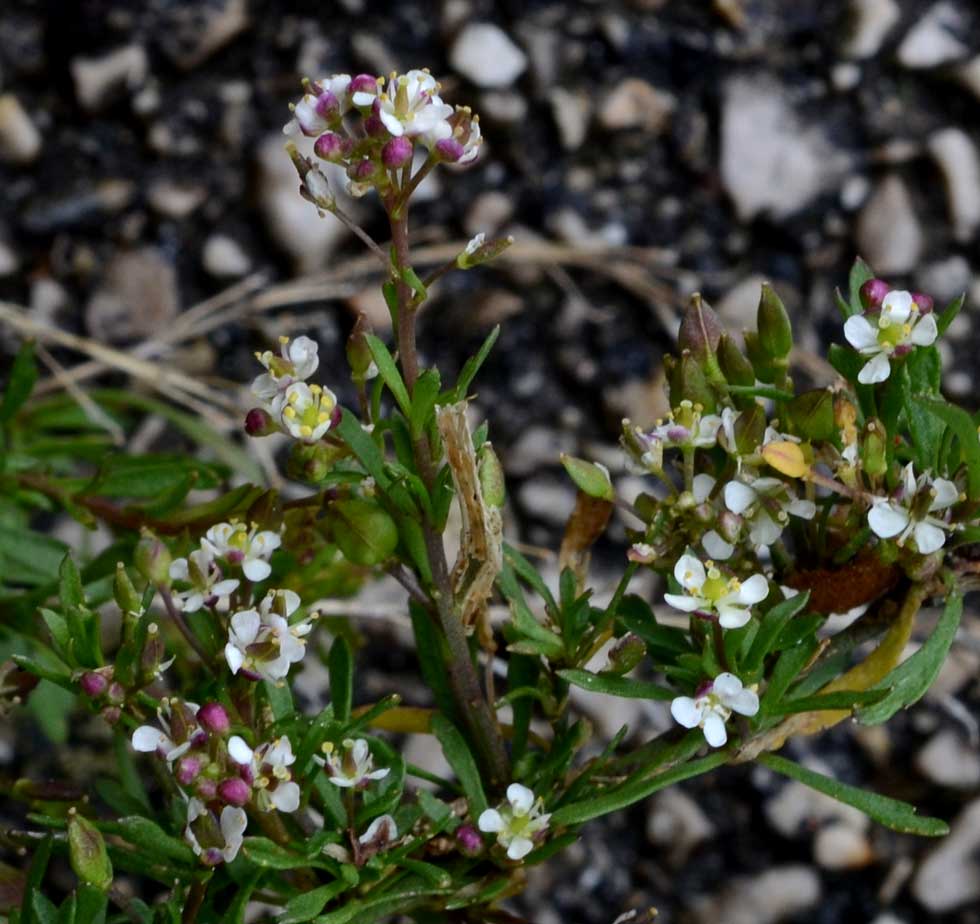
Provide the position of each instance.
(638, 152)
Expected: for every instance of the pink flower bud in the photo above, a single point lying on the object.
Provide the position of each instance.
(327, 106)
(259, 423)
(93, 684)
(449, 150)
(234, 791)
(363, 171)
(374, 127)
(924, 302)
(469, 841)
(330, 146)
(206, 789)
(397, 152)
(361, 86)
(188, 769)
(111, 715)
(872, 293)
(214, 718)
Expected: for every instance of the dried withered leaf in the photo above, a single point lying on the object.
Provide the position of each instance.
(586, 524)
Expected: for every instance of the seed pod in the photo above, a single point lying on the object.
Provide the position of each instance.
(874, 455)
(689, 383)
(734, 364)
(626, 654)
(491, 472)
(590, 477)
(152, 560)
(87, 852)
(700, 329)
(772, 321)
(363, 530)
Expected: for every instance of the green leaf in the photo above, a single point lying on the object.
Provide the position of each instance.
(411, 279)
(235, 913)
(589, 478)
(70, 584)
(473, 364)
(29, 558)
(899, 816)
(773, 623)
(91, 905)
(269, 855)
(43, 909)
(280, 699)
(530, 575)
(612, 685)
(35, 874)
(430, 648)
(366, 450)
(151, 476)
(522, 672)
(960, 422)
(787, 669)
(389, 372)
(424, 398)
(545, 641)
(949, 313)
(363, 530)
(458, 756)
(908, 682)
(341, 665)
(152, 840)
(859, 275)
(843, 699)
(307, 905)
(23, 375)
(664, 643)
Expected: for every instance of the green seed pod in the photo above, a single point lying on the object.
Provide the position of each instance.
(811, 415)
(363, 530)
(689, 383)
(734, 364)
(874, 454)
(768, 370)
(590, 477)
(700, 329)
(626, 654)
(127, 599)
(772, 321)
(87, 852)
(152, 560)
(358, 354)
(491, 472)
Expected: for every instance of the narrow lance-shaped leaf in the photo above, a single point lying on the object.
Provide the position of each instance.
(625, 687)
(461, 760)
(340, 663)
(389, 372)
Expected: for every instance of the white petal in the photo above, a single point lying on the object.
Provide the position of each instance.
(887, 520)
(519, 848)
(739, 497)
(689, 572)
(947, 494)
(234, 657)
(896, 306)
(682, 602)
(490, 821)
(763, 529)
(178, 570)
(716, 547)
(714, 730)
(732, 617)
(701, 487)
(727, 685)
(928, 538)
(391, 122)
(520, 797)
(286, 797)
(245, 626)
(754, 590)
(925, 331)
(360, 752)
(908, 480)
(223, 588)
(876, 370)
(147, 739)
(859, 333)
(292, 601)
(685, 711)
(378, 774)
(804, 509)
(239, 751)
(255, 569)
(745, 703)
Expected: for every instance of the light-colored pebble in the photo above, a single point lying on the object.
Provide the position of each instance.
(175, 199)
(676, 822)
(934, 39)
(949, 760)
(945, 279)
(950, 874)
(956, 155)
(99, 80)
(839, 846)
(20, 140)
(538, 446)
(889, 234)
(224, 258)
(571, 111)
(487, 56)
(634, 103)
(969, 75)
(8, 260)
(872, 21)
(739, 305)
(766, 898)
(548, 498)
(489, 212)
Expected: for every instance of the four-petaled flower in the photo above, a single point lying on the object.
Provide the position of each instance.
(517, 822)
(222, 840)
(261, 642)
(686, 427)
(766, 504)
(180, 731)
(712, 706)
(900, 327)
(350, 769)
(709, 593)
(324, 106)
(910, 513)
(308, 411)
(207, 584)
(297, 360)
(248, 547)
(267, 768)
(411, 105)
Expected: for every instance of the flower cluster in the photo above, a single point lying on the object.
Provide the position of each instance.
(262, 644)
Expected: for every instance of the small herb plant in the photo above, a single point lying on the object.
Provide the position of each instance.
(767, 509)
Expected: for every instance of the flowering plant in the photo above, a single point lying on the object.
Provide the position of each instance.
(768, 508)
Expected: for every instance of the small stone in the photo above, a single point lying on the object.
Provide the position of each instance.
(933, 40)
(487, 56)
(8, 260)
(548, 499)
(174, 198)
(99, 81)
(195, 31)
(945, 279)
(139, 297)
(676, 822)
(740, 304)
(224, 258)
(854, 191)
(48, 297)
(538, 446)
(889, 234)
(949, 761)
(888, 918)
(950, 875)
(969, 75)
(767, 898)
(872, 21)
(503, 106)
(489, 212)
(770, 161)
(845, 76)
(956, 155)
(20, 140)
(571, 114)
(634, 103)
(839, 846)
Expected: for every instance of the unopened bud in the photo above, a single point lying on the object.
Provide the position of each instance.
(729, 526)
(331, 147)
(700, 329)
(872, 293)
(359, 358)
(111, 715)
(773, 324)
(689, 383)
(469, 840)
(750, 430)
(127, 599)
(234, 791)
(874, 456)
(363, 90)
(93, 684)
(116, 694)
(396, 153)
(479, 250)
(87, 852)
(491, 472)
(188, 769)
(152, 560)
(734, 364)
(925, 302)
(626, 654)
(316, 185)
(449, 149)
(214, 718)
(259, 422)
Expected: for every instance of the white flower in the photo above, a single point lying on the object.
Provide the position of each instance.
(900, 327)
(686, 427)
(909, 515)
(707, 592)
(297, 360)
(517, 822)
(475, 244)
(249, 548)
(307, 411)
(713, 706)
(262, 643)
(381, 831)
(269, 766)
(208, 585)
(766, 504)
(352, 768)
(411, 105)
(232, 825)
(148, 739)
(716, 547)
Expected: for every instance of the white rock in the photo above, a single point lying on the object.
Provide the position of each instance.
(8, 261)
(956, 155)
(98, 80)
(503, 106)
(839, 846)
(934, 39)
(48, 297)
(854, 191)
(945, 279)
(224, 258)
(767, 898)
(487, 56)
(969, 75)
(950, 874)
(740, 304)
(537, 447)
(217, 25)
(634, 103)
(889, 234)
(20, 140)
(489, 212)
(845, 76)
(570, 111)
(949, 761)
(887, 918)
(677, 822)
(548, 499)
(174, 198)
(796, 807)
(873, 20)
(770, 161)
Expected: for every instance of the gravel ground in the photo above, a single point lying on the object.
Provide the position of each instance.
(740, 140)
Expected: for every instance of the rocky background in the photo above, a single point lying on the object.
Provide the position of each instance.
(638, 151)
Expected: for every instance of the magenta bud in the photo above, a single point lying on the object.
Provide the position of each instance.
(449, 150)
(327, 106)
(872, 293)
(212, 857)
(214, 718)
(468, 840)
(924, 302)
(336, 417)
(259, 423)
(374, 127)
(93, 684)
(397, 152)
(187, 770)
(111, 715)
(234, 791)
(206, 789)
(330, 146)
(362, 171)
(363, 83)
